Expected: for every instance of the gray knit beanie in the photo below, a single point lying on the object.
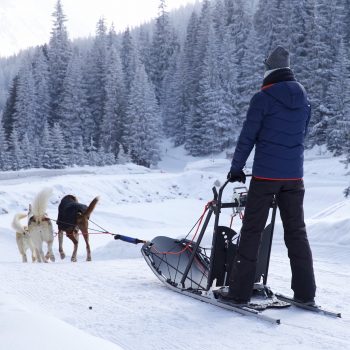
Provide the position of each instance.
(278, 58)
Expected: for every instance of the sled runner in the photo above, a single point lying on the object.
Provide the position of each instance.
(186, 267)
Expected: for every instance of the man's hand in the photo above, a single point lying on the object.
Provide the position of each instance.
(236, 176)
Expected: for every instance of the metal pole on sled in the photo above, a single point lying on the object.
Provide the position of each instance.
(264, 252)
(216, 224)
(195, 249)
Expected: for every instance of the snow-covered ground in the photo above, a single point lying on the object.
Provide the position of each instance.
(116, 302)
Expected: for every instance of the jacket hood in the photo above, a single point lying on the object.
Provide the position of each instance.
(290, 93)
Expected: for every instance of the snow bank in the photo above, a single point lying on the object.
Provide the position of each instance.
(331, 226)
(22, 328)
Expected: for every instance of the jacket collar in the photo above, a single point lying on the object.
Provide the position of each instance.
(284, 74)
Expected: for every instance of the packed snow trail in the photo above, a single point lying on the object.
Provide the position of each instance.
(131, 308)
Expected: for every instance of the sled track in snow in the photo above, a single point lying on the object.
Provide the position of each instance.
(131, 308)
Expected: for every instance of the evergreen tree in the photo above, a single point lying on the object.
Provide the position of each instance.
(144, 45)
(74, 107)
(143, 125)
(188, 82)
(114, 109)
(215, 113)
(164, 45)
(92, 154)
(59, 52)
(128, 55)
(41, 90)
(25, 107)
(327, 42)
(174, 101)
(15, 155)
(4, 160)
(59, 158)
(97, 78)
(77, 153)
(47, 149)
(27, 153)
(123, 157)
(195, 136)
(10, 108)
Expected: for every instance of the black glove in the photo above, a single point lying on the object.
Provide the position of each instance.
(236, 176)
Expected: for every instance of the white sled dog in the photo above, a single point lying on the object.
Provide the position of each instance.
(40, 226)
(23, 239)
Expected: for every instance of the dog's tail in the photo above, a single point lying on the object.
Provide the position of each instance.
(91, 207)
(40, 203)
(16, 222)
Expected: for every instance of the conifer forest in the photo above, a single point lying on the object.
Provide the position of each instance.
(115, 97)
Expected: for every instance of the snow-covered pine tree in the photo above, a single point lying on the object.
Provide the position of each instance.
(41, 90)
(4, 156)
(74, 108)
(143, 121)
(196, 128)
(27, 148)
(114, 109)
(250, 74)
(241, 62)
(123, 157)
(59, 53)
(15, 154)
(188, 82)
(77, 154)
(10, 108)
(327, 41)
(214, 110)
(47, 148)
(164, 45)
(265, 18)
(59, 157)
(144, 44)
(127, 55)
(338, 93)
(25, 107)
(91, 154)
(97, 78)
(171, 98)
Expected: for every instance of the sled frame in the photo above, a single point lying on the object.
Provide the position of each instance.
(215, 208)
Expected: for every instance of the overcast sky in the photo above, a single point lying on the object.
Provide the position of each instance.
(26, 23)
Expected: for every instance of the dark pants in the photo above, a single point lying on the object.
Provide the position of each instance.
(290, 197)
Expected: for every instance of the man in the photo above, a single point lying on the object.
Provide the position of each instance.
(276, 125)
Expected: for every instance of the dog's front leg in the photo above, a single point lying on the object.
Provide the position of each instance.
(60, 244)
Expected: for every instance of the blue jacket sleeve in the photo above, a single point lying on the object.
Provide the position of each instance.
(249, 132)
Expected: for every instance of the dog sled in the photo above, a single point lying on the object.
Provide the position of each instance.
(186, 267)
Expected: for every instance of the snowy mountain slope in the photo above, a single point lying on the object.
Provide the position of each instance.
(130, 307)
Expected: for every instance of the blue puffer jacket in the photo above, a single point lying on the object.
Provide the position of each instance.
(276, 124)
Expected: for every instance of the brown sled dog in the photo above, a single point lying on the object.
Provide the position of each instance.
(72, 218)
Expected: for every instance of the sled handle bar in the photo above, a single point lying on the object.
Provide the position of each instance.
(221, 189)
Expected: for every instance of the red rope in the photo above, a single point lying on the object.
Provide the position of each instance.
(90, 233)
(192, 240)
(232, 216)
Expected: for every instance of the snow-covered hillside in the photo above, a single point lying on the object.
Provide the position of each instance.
(129, 307)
